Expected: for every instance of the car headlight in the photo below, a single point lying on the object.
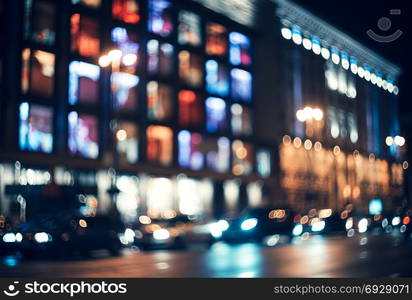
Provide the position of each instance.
(318, 226)
(349, 223)
(297, 230)
(9, 237)
(223, 225)
(396, 221)
(161, 234)
(42, 237)
(363, 225)
(248, 224)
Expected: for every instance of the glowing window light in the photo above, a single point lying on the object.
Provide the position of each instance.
(239, 50)
(126, 10)
(78, 70)
(307, 44)
(83, 135)
(122, 84)
(241, 85)
(316, 48)
(189, 28)
(286, 33)
(335, 55)
(189, 154)
(325, 53)
(296, 35)
(35, 128)
(216, 78)
(160, 19)
(216, 114)
(263, 163)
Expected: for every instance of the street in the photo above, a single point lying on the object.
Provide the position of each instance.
(359, 256)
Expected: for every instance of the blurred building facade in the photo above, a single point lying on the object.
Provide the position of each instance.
(203, 108)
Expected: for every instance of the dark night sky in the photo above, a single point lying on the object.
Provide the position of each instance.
(355, 17)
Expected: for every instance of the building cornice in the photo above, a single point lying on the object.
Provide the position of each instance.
(308, 22)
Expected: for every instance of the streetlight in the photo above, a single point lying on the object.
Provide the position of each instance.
(397, 141)
(311, 116)
(309, 113)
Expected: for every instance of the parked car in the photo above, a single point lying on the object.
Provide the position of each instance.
(256, 224)
(66, 236)
(10, 238)
(173, 233)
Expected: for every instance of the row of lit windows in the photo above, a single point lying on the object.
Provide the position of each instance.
(38, 78)
(194, 150)
(338, 57)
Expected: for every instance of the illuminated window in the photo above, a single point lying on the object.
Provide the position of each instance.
(189, 28)
(84, 36)
(83, 82)
(217, 154)
(127, 42)
(215, 114)
(160, 17)
(216, 39)
(241, 120)
(342, 123)
(89, 3)
(263, 162)
(190, 69)
(83, 135)
(353, 128)
(242, 158)
(126, 11)
(124, 91)
(159, 145)
(216, 78)
(126, 137)
(160, 58)
(37, 72)
(197, 151)
(159, 195)
(333, 123)
(42, 14)
(241, 85)
(239, 49)
(36, 128)
(190, 109)
(190, 150)
(159, 101)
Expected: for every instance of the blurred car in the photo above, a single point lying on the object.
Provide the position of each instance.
(174, 233)
(9, 237)
(66, 236)
(258, 224)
